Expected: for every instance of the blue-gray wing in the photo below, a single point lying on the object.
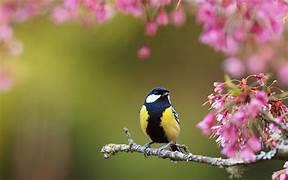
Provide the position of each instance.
(176, 115)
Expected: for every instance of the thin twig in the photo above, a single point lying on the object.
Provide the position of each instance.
(178, 4)
(269, 118)
(111, 149)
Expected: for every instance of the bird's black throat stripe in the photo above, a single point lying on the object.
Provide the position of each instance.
(154, 128)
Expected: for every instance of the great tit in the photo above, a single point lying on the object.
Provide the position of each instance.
(159, 120)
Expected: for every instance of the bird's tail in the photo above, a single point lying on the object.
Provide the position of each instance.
(174, 147)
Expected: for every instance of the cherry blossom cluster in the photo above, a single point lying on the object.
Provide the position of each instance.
(88, 11)
(155, 13)
(249, 33)
(12, 12)
(236, 116)
(229, 24)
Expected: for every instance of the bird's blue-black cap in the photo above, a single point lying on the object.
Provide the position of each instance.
(159, 91)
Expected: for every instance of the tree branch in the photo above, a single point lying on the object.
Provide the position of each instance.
(111, 149)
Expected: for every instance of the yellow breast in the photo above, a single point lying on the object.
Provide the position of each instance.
(144, 116)
(170, 125)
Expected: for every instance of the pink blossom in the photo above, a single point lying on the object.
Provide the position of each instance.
(133, 7)
(239, 34)
(219, 87)
(5, 32)
(162, 18)
(178, 17)
(254, 107)
(151, 28)
(206, 124)
(144, 52)
(103, 12)
(261, 79)
(283, 74)
(70, 4)
(239, 117)
(234, 67)
(262, 97)
(247, 154)
(159, 3)
(6, 81)
(229, 150)
(260, 20)
(229, 134)
(256, 64)
(206, 13)
(254, 144)
(218, 103)
(60, 15)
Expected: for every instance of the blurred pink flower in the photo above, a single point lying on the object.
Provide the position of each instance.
(70, 5)
(162, 18)
(259, 19)
(6, 32)
(178, 17)
(6, 81)
(234, 67)
(151, 28)
(60, 15)
(103, 12)
(144, 52)
(159, 3)
(283, 74)
(256, 64)
(206, 13)
(133, 7)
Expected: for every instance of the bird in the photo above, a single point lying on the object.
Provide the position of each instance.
(158, 119)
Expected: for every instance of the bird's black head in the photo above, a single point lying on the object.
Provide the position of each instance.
(158, 94)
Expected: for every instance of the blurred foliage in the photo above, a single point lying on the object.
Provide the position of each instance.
(77, 87)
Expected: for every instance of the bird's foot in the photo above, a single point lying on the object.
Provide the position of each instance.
(146, 152)
(183, 148)
(162, 148)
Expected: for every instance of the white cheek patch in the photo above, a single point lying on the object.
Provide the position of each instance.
(169, 99)
(152, 98)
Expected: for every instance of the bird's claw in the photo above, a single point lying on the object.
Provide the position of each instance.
(162, 148)
(159, 151)
(146, 152)
(183, 148)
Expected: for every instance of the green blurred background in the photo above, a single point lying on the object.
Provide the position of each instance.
(77, 87)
